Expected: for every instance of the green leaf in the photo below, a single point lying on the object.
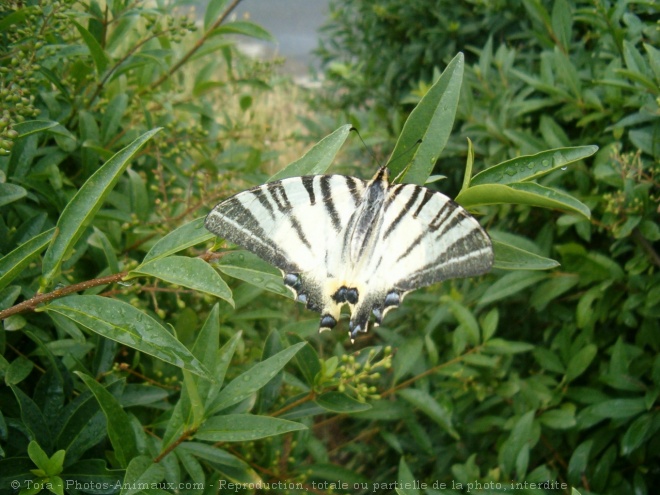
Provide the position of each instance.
(465, 318)
(524, 193)
(183, 237)
(101, 59)
(307, 360)
(141, 472)
(10, 193)
(552, 289)
(12, 264)
(213, 11)
(111, 120)
(406, 357)
(225, 463)
(407, 481)
(579, 363)
(509, 257)
(510, 284)
(247, 383)
(29, 127)
(99, 240)
(528, 167)
(127, 325)
(38, 456)
(562, 23)
(245, 28)
(637, 434)
(120, 432)
(92, 471)
(339, 402)
(18, 370)
(248, 267)
(196, 403)
(33, 419)
(318, 158)
(615, 409)
(558, 419)
(80, 211)
(193, 273)
(223, 359)
(431, 121)
(579, 461)
(244, 428)
(502, 346)
(431, 407)
(519, 440)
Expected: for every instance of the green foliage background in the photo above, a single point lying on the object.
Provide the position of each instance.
(128, 358)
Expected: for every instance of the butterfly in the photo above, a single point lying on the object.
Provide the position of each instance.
(342, 240)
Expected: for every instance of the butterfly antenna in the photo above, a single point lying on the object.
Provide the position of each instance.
(369, 150)
(407, 167)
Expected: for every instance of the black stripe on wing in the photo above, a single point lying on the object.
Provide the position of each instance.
(329, 202)
(235, 223)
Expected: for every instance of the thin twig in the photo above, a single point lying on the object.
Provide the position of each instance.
(193, 50)
(32, 303)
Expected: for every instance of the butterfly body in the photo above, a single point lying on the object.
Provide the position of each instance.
(341, 240)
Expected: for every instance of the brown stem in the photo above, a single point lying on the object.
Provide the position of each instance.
(31, 304)
(194, 49)
(302, 400)
(184, 436)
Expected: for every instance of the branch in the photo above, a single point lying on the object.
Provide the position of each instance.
(194, 49)
(31, 304)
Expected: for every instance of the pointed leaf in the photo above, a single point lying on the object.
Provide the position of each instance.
(14, 262)
(341, 403)
(141, 472)
(247, 383)
(528, 167)
(33, 419)
(80, 211)
(244, 428)
(431, 121)
(33, 126)
(223, 359)
(193, 273)
(127, 325)
(317, 159)
(508, 257)
(213, 11)
(511, 284)
(580, 361)
(245, 28)
(101, 60)
(10, 193)
(524, 193)
(431, 407)
(120, 433)
(183, 237)
(246, 266)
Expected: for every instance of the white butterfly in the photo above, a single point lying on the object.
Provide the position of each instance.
(341, 240)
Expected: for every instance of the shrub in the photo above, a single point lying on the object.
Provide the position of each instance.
(584, 72)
